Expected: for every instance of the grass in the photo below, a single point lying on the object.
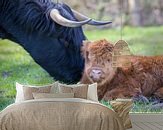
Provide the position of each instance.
(5, 102)
(142, 41)
(16, 65)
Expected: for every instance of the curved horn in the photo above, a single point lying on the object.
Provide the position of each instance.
(80, 16)
(55, 15)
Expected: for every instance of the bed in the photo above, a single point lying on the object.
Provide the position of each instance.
(59, 114)
(59, 106)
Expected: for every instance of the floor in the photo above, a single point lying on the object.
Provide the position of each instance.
(147, 126)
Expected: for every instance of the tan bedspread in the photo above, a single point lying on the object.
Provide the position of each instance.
(59, 114)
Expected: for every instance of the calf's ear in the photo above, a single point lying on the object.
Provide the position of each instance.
(85, 44)
(121, 56)
(84, 49)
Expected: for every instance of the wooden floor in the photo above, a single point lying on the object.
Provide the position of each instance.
(147, 121)
(147, 126)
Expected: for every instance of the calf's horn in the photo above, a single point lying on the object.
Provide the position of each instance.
(80, 16)
(55, 15)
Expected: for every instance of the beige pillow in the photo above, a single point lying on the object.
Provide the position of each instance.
(54, 95)
(122, 107)
(24, 92)
(54, 88)
(80, 90)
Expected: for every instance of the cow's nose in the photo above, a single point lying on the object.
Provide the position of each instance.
(95, 74)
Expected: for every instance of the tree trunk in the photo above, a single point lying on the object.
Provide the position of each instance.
(135, 12)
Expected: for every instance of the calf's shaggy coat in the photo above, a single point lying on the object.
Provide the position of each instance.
(144, 76)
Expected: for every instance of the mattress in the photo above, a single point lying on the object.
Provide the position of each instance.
(59, 114)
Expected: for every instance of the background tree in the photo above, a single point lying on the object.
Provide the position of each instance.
(135, 12)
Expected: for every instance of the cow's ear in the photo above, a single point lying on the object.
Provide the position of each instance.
(122, 55)
(85, 44)
(84, 49)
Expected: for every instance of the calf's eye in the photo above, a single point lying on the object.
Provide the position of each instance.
(87, 55)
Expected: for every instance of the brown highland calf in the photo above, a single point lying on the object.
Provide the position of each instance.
(144, 76)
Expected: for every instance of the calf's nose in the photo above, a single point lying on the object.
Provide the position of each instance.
(95, 74)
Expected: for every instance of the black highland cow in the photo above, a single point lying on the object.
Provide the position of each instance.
(51, 33)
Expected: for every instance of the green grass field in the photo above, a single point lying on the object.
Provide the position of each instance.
(17, 66)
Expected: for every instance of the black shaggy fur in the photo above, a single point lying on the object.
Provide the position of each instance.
(55, 48)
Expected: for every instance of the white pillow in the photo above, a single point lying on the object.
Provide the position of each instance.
(19, 93)
(92, 92)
